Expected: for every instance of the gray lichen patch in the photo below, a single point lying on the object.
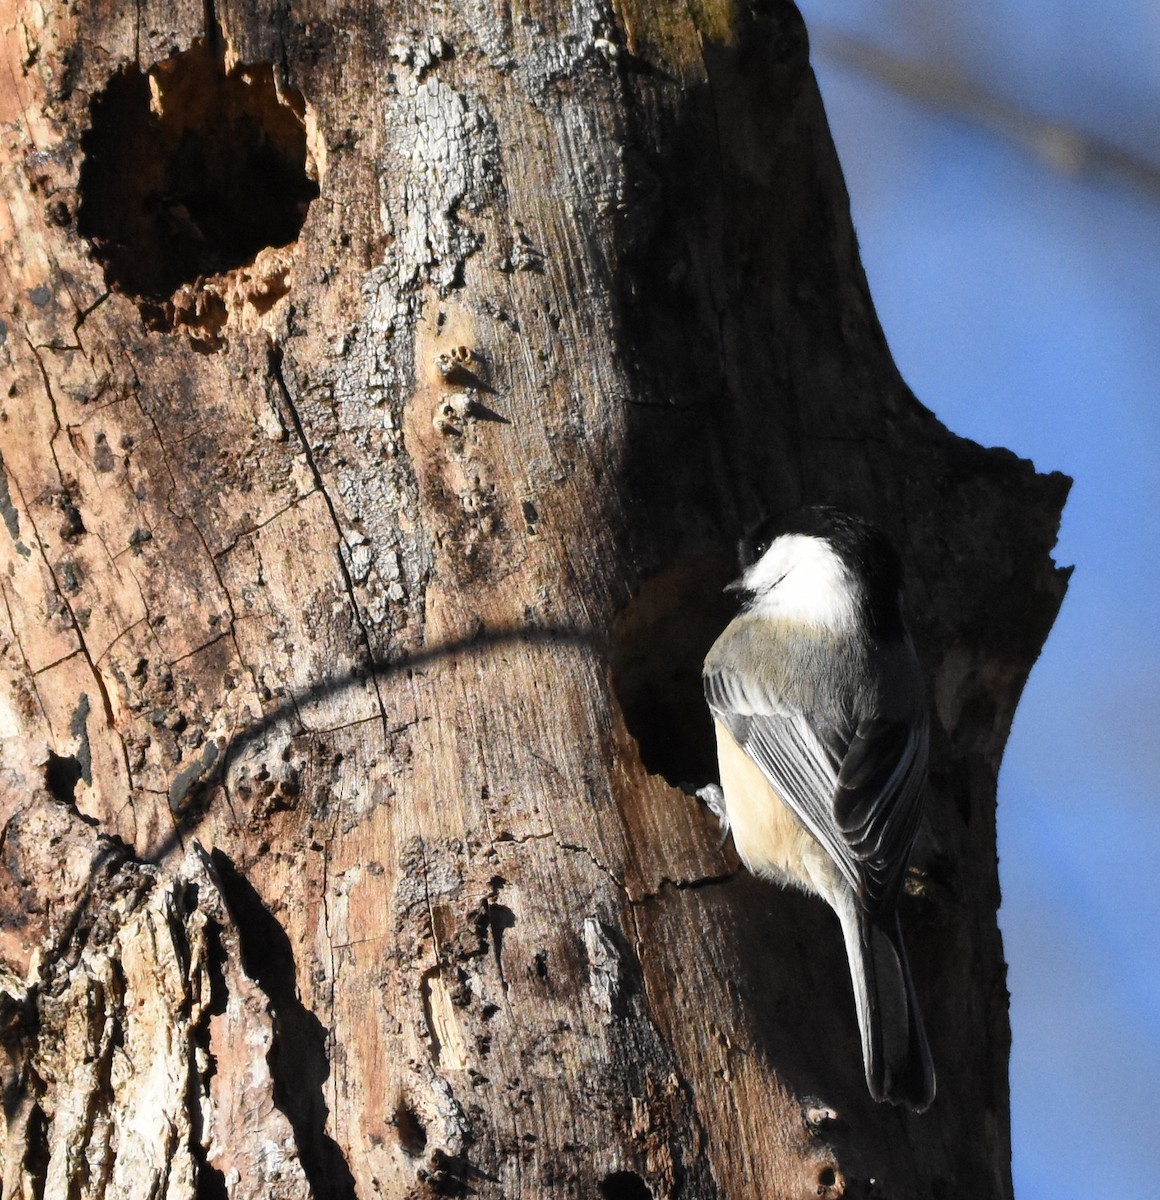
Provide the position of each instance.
(443, 162)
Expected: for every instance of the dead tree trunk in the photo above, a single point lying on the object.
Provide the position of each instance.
(383, 388)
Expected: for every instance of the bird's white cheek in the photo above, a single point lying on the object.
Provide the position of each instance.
(802, 579)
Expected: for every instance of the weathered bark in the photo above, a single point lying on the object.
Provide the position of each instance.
(356, 590)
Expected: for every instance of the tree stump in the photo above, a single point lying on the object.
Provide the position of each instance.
(382, 391)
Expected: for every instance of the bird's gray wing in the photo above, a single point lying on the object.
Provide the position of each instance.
(800, 766)
(855, 787)
(878, 801)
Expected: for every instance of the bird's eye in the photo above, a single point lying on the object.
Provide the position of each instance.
(760, 548)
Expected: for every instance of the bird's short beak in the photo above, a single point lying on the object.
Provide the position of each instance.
(737, 587)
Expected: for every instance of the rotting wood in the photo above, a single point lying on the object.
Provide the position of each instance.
(423, 683)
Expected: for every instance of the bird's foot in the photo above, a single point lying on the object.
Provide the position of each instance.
(713, 798)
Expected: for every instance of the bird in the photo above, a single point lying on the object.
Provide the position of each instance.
(822, 731)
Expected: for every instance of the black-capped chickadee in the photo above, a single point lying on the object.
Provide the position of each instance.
(821, 722)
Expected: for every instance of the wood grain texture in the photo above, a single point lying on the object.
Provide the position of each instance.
(350, 677)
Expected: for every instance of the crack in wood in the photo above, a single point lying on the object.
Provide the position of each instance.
(98, 676)
(250, 530)
(274, 360)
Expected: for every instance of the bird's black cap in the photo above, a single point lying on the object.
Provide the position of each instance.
(862, 546)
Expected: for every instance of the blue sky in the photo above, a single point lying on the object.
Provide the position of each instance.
(1022, 305)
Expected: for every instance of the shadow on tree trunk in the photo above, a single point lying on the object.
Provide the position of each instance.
(298, 1057)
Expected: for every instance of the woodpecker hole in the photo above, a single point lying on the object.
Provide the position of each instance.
(831, 1184)
(62, 773)
(410, 1128)
(660, 639)
(624, 1185)
(190, 170)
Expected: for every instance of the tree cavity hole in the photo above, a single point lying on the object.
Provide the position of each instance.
(190, 169)
(625, 1185)
(659, 642)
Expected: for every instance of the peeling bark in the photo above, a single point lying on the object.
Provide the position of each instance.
(356, 589)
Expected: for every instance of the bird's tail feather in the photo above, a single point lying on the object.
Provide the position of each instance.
(894, 1047)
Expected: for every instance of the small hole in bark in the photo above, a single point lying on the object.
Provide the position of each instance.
(189, 171)
(660, 639)
(827, 1178)
(61, 777)
(36, 1153)
(624, 1185)
(411, 1130)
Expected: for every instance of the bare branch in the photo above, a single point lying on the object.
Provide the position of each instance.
(1071, 152)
